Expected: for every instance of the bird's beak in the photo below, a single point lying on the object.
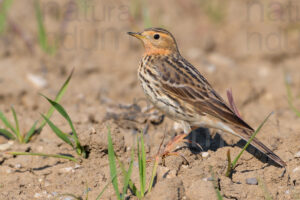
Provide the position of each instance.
(136, 34)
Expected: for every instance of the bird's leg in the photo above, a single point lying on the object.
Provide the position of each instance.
(170, 147)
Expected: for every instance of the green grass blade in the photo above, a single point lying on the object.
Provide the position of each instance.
(7, 134)
(42, 35)
(143, 154)
(229, 164)
(7, 123)
(131, 185)
(250, 140)
(19, 136)
(3, 14)
(83, 5)
(105, 187)
(30, 133)
(218, 193)
(146, 14)
(58, 132)
(290, 98)
(43, 154)
(141, 192)
(153, 173)
(63, 112)
(265, 190)
(41, 29)
(112, 165)
(58, 97)
(127, 176)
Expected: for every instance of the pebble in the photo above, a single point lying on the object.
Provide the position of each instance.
(92, 130)
(67, 169)
(251, 181)
(18, 166)
(287, 192)
(77, 166)
(185, 166)
(296, 169)
(204, 154)
(37, 81)
(4, 147)
(208, 179)
(37, 195)
(297, 155)
(211, 68)
(40, 148)
(263, 72)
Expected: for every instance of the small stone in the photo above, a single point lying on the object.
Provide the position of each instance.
(184, 166)
(18, 166)
(54, 193)
(37, 81)
(297, 155)
(296, 169)
(208, 179)
(211, 68)
(287, 192)
(162, 172)
(171, 174)
(67, 169)
(251, 181)
(92, 130)
(4, 147)
(40, 148)
(204, 154)
(47, 183)
(77, 166)
(37, 195)
(263, 72)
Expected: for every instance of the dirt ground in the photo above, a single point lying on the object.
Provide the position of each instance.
(248, 46)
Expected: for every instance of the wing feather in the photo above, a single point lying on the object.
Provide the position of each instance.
(182, 81)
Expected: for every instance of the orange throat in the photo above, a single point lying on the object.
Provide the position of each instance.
(157, 51)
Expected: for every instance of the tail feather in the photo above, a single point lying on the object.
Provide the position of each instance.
(261, 147)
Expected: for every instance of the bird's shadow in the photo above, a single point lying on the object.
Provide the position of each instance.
(202, 137)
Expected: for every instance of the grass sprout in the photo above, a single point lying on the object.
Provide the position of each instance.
(218, 193)
(214, 9)
(6, 4)
(42, 35)
(127, 181)
(232, 164)
(105, 187)
(72, 140)
(43, 154)
(113, 165)
(140, 9)
(13, 131)
(290, 95)
(58, 97)
(264, 188)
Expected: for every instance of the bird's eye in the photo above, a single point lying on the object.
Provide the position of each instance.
(156, 36)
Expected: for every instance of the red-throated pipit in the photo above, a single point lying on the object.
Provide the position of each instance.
(177, 88)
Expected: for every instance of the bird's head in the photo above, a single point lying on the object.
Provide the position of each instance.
(157, 41)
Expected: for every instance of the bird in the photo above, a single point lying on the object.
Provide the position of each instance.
(181, 92)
